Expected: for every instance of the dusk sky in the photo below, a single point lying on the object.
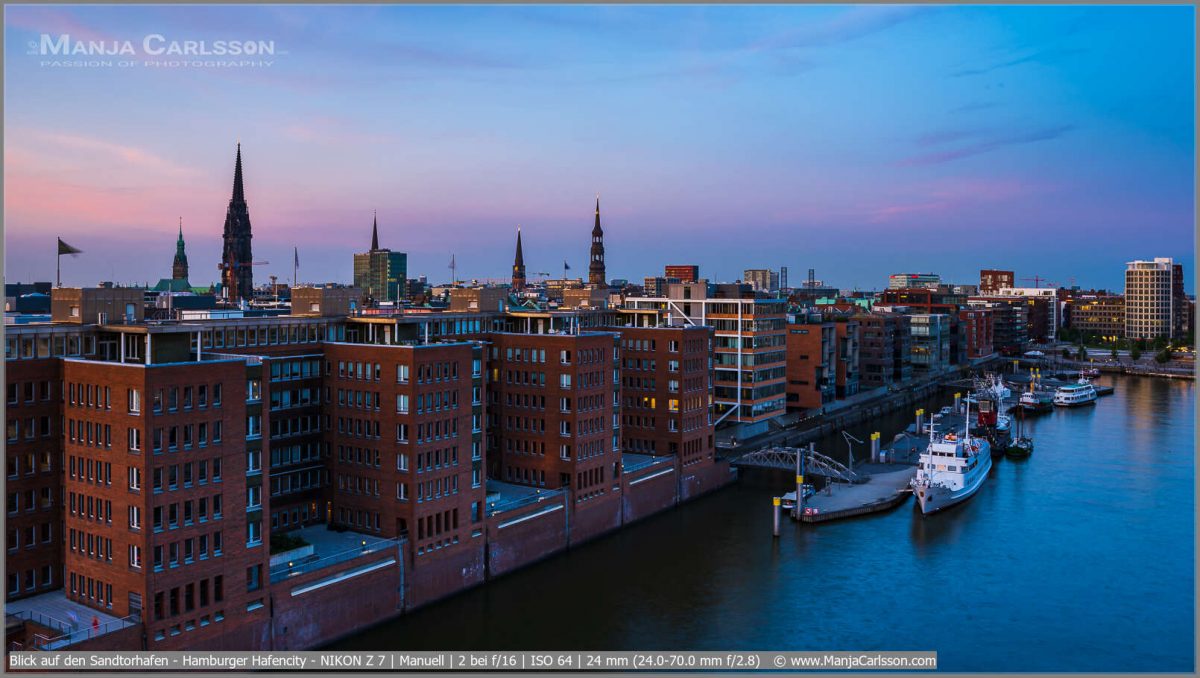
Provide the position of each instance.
(857, 140)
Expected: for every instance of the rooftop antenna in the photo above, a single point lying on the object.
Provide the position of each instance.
(453, 267)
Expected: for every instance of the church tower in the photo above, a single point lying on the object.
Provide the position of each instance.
(518, 269)
(596, 265)
(236, 275)
(179, 269)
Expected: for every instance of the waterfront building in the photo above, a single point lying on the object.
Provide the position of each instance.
(992, 280)
(1044, 316)
(381, 273)
(749, 352)
(884, 349)
(978, 328)
(811, 362)
(846, 329)
(1010, 333)
(1098, 316)
(1153, 296)
(930, 341)
(901, 281)
(666, 379)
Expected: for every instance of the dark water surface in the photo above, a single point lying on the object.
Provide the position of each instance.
(1078, 559)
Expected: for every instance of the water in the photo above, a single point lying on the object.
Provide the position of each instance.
(1077, 559)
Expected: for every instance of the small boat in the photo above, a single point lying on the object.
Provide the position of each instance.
(1021, 445)
(1032, 401)
(1020, 448)
(1090, 372)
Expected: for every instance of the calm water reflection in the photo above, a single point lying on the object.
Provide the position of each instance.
(1079, 558)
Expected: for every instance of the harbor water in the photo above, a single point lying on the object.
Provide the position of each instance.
(1079, 558)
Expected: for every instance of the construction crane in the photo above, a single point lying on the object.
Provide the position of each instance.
(1037, 280)
(227, 266)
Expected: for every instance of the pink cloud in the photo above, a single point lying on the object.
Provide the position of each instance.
(52, 21)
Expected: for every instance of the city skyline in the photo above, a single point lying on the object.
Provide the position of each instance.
(1038, 145)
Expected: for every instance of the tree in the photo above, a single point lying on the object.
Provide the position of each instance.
(1163, 356)
(1114, 352)
(1135, 352)
(1082, 353)
(1067, 353)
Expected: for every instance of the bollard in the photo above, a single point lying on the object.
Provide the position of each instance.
(875, 447)
(920, 421)
(957, 403)
(778, 510)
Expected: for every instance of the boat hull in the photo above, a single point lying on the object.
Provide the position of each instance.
(934, 498)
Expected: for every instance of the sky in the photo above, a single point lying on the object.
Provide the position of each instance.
(856, 140)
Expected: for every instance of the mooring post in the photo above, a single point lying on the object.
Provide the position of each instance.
(957, 401)
(875, 447)
(777, 510)
(920, 421)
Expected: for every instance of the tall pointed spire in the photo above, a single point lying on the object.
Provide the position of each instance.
(518, 269)
(596, 275)
(239, 194)
(179, 267)
(375, 233)
(237, 279)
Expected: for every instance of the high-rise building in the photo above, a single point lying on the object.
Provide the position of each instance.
(596, 274)
(991, 280)
(237, 278)
(687, 273)
(1150, 304)
(900, 281)
(380, 272)
(762, 279)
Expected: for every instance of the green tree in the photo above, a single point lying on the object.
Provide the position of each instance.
(1163, 356)
(1136, 351)
(1082, 353)
(1114, 352)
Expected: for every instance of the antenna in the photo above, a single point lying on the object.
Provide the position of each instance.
(967, 434)
(453, 267)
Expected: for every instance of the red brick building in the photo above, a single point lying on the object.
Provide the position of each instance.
(684, 273)
(811, 364)
(554, 419)
(978, 327)
(665, 386)
(407, 460)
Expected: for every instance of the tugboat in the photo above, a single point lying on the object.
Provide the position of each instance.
(951, 470)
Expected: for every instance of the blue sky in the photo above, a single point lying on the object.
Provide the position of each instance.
(858, 140)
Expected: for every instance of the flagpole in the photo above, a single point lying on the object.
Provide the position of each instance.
(58, 270)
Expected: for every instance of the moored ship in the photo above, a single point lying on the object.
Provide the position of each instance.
(1074, 395)
(952, 469)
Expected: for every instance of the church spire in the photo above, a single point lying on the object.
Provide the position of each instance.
(518, 269)
(238, 194)
(596, 275)
(375, 233)
(237, 280)
(179, 267)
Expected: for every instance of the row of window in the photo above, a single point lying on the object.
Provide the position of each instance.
(183, 599)
(33, 428)
(29, 536)
(182, 552)
(90, 545)
(31, 582)
(91, 590)
(27, 389)
(32, 464)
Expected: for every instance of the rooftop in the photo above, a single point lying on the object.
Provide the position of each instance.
(70, 622)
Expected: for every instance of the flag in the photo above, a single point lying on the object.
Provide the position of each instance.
(64, 248)
(566, 266)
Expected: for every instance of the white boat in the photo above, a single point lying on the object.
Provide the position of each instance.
(952, 468)
(1073, 395)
